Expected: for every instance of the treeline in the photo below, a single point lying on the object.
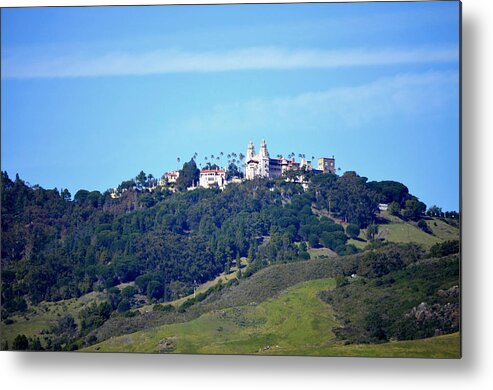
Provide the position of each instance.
(56, 248)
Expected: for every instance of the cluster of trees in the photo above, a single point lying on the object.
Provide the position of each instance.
(348, 197)
(435, 211)
(401, 202)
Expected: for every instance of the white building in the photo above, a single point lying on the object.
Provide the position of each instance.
(212, 177)
(170, 177)
(261, 165)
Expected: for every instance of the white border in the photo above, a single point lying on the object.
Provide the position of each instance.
(474, 371)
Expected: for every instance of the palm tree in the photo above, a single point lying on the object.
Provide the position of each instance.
(178, 161)
(242, 157)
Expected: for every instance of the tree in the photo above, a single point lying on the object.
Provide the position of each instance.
(154, 290)
(66, 196)
(445, 248)
(66, 326)
(21, 343)
(233, 171)
(313, 241)
(35, 344)
(352, 230)
(371, 231)
(390, 191)
(414, 209)
(350, 198)
(128, 292)
(141, 179)
(189, 175)
(394, 208)
(123, 306)
(434, 211)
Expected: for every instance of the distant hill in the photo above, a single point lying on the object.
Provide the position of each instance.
(80, 270)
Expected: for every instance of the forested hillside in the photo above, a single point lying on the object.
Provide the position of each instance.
(161, 244)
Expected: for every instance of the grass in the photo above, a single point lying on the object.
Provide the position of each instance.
(317, 253)
(297, 319)
(400, 231)
(439, 347)
(295, 323)
(443, 230)
(45, 315)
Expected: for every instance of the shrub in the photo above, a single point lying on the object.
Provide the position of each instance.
(422, 225)
(123, 306)
(313, 241)
(445, 248)
(128, 292)
(163, 308)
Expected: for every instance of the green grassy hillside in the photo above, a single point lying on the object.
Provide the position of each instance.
(400, 231)
(295, 323)
(261, 286)
(45, 315)
(439, 347)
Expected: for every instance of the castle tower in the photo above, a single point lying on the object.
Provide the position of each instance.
(250, 152)
(251, 164)
(264, 159)
(263, 150)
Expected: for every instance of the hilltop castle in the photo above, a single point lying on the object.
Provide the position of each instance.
(262, 165)
(256, 165)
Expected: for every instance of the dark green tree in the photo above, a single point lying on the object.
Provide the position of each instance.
(352, 230)
(189, 175)
(21, 343)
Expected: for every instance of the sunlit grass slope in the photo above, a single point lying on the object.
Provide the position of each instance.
(297, 319)
(295, 323)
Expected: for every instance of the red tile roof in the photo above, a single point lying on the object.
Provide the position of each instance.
(212, 170)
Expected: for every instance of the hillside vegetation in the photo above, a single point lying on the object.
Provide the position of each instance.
(79, 271)
(297, 322)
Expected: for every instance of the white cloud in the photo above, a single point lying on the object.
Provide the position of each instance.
(179, 61)
(401, 99)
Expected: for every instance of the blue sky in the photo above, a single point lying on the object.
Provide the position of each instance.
(91, 96)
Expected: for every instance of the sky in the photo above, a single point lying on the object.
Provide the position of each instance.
(92, 96)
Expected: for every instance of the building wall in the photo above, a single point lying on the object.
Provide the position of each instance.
(327, 165)
(212, 178)
(261, 165)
